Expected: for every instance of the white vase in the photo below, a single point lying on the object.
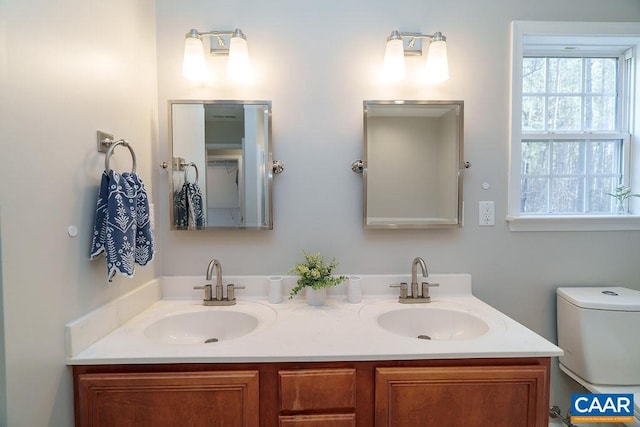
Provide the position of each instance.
(315, 296)
(621, 207)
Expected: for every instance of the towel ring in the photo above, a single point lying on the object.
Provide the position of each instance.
(186, 171)
(110, 153)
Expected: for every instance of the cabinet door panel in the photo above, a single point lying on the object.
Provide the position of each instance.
(225, 399)
(461, 397)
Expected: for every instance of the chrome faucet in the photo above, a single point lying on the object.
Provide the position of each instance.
(414, 274)
(218, 298)
(415, 297)
(214, 263)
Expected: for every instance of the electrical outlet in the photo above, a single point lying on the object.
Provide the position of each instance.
(487, 215)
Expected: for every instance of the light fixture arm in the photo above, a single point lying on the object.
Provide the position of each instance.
(413, 37)
(219, 36)
(195, 33)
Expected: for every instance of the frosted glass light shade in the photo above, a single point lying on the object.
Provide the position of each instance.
(239, 67)
(437, 67)
(394, 66)
(193, 64)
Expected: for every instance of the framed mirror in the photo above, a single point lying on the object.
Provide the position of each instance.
(413, 159)
(221, 169)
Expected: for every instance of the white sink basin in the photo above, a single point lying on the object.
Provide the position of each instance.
(433, 323)
(201, 327)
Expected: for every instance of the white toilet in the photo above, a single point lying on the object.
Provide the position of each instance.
(599, 331)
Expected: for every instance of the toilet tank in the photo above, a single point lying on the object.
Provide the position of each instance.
(599, 331)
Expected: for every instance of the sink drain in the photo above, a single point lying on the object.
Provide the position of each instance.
(424, 337)
(210, 340)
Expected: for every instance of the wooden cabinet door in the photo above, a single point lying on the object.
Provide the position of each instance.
(221, 399)
(490, 396)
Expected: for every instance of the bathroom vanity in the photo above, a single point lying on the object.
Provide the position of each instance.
(439, 392)
(305, 366)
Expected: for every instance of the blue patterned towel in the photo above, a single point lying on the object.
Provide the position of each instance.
(100, 223)
(123, 228)
(180, 208)
(196, 211)
(188, 210)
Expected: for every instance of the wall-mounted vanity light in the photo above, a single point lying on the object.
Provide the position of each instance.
(231, 43)
(436, 68)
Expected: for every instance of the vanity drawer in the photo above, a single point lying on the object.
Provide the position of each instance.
(317, 389)
(319, 420)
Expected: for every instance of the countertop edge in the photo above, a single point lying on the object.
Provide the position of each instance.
(309, 359)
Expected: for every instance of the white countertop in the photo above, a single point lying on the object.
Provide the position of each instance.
(294, 331)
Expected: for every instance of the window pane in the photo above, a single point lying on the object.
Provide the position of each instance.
(599, 200)
(569, 95)
(566, 195)
(600, 75)
(534, 195)
(567, 158)
(600, 113)
(533, 75)
(605, 157)
(564, 113)
(532, 113)
(535, 158)
(565, 75)
(555, 173)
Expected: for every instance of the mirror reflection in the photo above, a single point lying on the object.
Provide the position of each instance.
(412, 164)
(221, 167)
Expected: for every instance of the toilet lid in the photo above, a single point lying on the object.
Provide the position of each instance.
(602, 298)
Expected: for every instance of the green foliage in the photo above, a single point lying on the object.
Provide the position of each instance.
(315, 273)
(622, 193)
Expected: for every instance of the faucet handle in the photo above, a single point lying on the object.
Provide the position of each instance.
(403, 289)
(425, 289)
(231, 291)
(430, 285)
(207, 291)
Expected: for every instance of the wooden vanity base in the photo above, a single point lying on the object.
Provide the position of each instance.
(443, 393)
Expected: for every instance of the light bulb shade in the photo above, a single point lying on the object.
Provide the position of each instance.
(437, 67)
(193, 64)
(394, 66)
(239, 67)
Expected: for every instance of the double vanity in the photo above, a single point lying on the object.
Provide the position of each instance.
(158, 356)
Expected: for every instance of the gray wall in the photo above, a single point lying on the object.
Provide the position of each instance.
(3, 374)
(71, 67)
(317, 62)
(67, 69)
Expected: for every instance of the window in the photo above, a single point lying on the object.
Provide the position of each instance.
(572, 145)
(572, 98)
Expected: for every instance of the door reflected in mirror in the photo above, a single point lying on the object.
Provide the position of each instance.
(412, 164)
(221, 170)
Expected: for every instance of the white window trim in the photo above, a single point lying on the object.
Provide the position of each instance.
(629, 34)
